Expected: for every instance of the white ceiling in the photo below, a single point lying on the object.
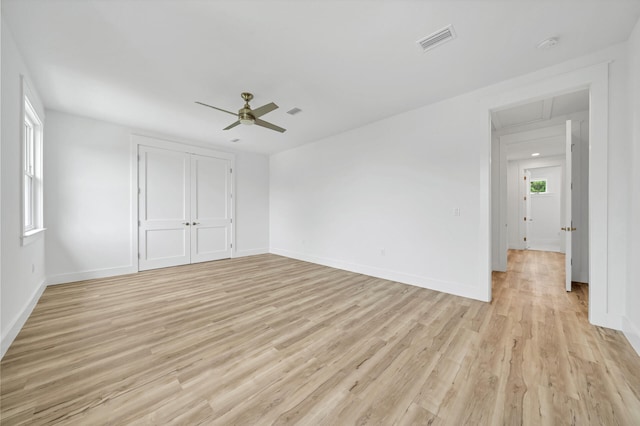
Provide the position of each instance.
(541, 114)
(540, 110)
(143, 63)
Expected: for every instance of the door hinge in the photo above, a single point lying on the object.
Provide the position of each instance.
(525, 238)
(139, 257)
(139, 223)
(230, 170)
(572, 185)
(571, 262)
(525, 198)
(231, 220)
(525, 178)
(231, 245)
(525, 218)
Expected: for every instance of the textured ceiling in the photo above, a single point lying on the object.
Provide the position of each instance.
(143, 63)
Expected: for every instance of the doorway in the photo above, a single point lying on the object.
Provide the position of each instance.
(595, 78)
(542, 203)
(540, 171)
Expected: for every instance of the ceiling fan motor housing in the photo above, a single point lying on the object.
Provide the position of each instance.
(245, 116)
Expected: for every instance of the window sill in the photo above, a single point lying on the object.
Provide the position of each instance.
(30, 236)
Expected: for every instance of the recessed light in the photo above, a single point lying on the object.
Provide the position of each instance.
(548, 43)
(235, 140)
(535, 154)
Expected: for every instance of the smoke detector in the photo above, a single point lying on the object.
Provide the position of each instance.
(436, 39)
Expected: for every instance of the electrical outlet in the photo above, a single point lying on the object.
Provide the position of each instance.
(456, 211)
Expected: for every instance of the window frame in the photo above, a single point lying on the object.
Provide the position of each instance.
(32, 195)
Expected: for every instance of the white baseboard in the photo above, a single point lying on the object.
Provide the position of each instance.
(632, 333)
(18, 322)
(454, 288)
(545, 245)
(90, 275)
(251, 252)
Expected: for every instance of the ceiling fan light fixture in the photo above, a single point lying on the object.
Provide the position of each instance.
(249, 116)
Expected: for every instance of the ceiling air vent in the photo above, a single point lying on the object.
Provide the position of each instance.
(436, 39)
(294, 111)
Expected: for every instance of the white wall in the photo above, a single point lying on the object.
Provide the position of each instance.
(391, 187)
(89, 214)
(88, 197)
(23, 267)
(252, 204)
(380, 199)
(631, 323)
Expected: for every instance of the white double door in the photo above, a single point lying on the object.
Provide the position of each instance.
(184, 208)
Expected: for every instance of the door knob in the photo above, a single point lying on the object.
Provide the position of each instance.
(186, 223)
(196, 223)
(563, 229)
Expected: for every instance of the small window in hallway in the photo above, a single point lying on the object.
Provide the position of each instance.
(538, 186)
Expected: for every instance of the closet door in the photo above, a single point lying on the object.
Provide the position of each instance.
(164, 208)
(210, 208)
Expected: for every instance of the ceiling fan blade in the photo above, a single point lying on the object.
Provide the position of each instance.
(231, 126)
(259, 112)
(269, 125)
(219, 109)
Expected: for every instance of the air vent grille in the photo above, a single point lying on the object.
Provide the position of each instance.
(436, 39)
(294, 111)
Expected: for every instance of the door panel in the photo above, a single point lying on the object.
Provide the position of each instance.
(164, 204)
(166, 243)
(210, 208)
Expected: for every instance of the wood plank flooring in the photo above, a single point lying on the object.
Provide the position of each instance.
(270, 340)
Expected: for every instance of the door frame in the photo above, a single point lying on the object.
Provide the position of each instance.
(595, 78)
(138, 139)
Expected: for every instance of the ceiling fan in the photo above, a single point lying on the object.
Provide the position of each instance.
(248, 116)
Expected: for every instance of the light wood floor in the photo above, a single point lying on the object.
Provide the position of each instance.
(270, 340)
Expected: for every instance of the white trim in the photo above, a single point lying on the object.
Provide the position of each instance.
(250, 252)
(20, 320)
(632, 333)
(31, 111)
(596, 79)
(457, 289)
(33, 235)
(90, 275)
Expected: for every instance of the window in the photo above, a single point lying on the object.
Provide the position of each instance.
(538, 186)
(32, 170)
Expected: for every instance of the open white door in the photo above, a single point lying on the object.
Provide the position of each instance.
(210, 208)
(568, 187)
(164, 202)
(527, 210)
